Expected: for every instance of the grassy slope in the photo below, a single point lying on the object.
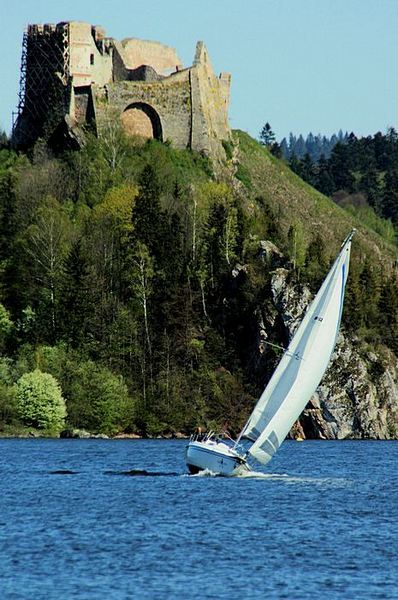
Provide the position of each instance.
(296, 201)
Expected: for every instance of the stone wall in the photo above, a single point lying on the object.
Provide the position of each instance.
(158, 56)
(169, 99)
(90, 59)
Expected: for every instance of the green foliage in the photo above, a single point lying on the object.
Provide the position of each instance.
(368, 216)
(39, 401)
(296, 247)
(8, 405)
(228, 148)
(99, 400)
(6, 370)
(5, 323)
(244, 176)
(8, 410)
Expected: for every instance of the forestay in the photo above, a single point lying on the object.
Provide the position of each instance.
(302, 365)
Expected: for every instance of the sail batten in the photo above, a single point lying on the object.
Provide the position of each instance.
(302, 366)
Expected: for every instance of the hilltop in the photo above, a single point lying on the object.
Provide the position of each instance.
(298, 202)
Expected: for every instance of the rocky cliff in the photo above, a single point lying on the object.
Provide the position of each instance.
(358, 396)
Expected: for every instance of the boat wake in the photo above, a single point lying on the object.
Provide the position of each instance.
(242, 475)
(205, 473)
(281, 477)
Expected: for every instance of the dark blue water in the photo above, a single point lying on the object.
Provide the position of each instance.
(322, 523)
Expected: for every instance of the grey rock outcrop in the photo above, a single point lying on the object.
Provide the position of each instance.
(358, 396)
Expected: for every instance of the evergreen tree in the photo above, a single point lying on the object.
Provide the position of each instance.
(267, 136)
(147, 212)
(389, 207)
(276, 150)
(295, 164)
(381, 151)
(284, 149)
(76, 299)
(323, 180)
(370, 293)
(292, 144)
(299, 148)
(340, 168)
(388, 313)
(307, 169)
(370, 185)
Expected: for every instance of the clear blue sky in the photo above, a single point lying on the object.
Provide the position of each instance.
(302, 65)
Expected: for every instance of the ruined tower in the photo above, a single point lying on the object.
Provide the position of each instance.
(73, 76)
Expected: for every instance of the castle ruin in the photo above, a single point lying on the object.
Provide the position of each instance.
(74, 77)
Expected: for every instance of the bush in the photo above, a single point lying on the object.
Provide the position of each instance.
(39, 401)
(98, 400)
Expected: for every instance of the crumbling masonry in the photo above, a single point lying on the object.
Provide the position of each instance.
(74, 77)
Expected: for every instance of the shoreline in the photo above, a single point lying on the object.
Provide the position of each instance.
(86, 435)
(177, 436)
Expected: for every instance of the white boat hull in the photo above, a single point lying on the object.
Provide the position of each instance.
(215, 457)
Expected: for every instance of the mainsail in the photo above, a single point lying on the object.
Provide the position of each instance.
(302, 366)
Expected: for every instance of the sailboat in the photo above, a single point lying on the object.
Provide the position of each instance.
(292, 384)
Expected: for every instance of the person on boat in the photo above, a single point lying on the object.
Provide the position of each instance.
(199, 435)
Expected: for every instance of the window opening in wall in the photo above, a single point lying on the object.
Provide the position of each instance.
(91, 59)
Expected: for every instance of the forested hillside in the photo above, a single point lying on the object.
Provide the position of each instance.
(135, 283)
(361, 174)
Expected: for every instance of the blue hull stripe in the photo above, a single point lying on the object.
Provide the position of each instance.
(214, 452)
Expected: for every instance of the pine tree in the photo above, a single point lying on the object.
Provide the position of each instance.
(267, 136)
(370, 185)
(388, 313)
(284, 149)
(389, 207)
(340, 168)
(299, 147)
(323, 180)
(295, 164)
(370, 294)
(307, 169)
(76, 303)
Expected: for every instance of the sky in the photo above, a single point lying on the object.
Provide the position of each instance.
(301, 65)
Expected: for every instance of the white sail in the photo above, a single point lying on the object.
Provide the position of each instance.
(302, 366)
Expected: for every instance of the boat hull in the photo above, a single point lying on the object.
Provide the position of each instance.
(215, 457)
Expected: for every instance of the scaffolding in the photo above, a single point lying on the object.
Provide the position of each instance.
(44, 79)
(22, 78)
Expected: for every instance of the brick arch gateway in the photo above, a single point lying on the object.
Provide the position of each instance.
(141, 119)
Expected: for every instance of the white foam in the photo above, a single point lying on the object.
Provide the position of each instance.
(282, 477)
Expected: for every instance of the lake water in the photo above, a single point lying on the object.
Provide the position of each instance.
(321, 522)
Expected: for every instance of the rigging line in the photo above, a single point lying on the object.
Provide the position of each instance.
(286, 350)
(275, 346)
